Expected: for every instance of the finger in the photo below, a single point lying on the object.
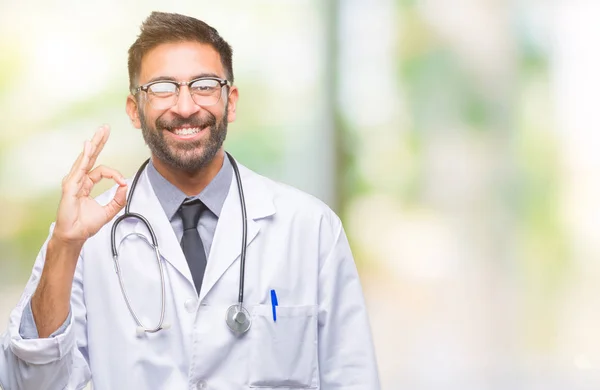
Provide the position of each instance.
(71, 187)
(98, 141)
(77, 162)
(82, 166)
(117, 203)
(97, 174)
(86, 187)
(72, 183)
(90, 148)
(104, 172)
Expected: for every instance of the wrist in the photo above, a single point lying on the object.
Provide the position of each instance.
(64, 244)
(63, 251)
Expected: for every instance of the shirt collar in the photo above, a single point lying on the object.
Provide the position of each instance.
(213, 195)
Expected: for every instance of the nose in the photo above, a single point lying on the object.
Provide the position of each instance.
(185, 106)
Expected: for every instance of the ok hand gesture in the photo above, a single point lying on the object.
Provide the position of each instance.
(79, 215)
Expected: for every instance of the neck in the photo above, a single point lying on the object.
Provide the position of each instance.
(190, 183)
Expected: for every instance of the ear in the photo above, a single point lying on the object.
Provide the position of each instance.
(232, 103)
(132, 110)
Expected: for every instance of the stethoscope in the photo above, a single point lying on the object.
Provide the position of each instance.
(237, 317)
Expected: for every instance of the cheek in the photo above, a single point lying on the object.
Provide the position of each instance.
(217, 110)
(148, 118)
(214, 112)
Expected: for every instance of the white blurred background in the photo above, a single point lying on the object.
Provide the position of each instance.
(456, 139)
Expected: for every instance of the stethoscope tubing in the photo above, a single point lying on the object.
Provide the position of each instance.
(128, 214)
(244, 229)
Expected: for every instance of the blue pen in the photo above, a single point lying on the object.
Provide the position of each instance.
(273, 304)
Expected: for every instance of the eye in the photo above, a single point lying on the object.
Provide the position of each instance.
(205, 86)
(162, 89)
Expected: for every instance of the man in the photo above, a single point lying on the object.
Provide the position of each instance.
(161, 324)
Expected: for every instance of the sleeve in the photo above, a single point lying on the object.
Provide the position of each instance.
(53, 363)
(28, 328)
(346, 352)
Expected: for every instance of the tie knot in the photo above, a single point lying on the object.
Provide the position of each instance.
(190, 213)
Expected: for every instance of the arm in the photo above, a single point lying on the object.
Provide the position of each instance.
(45, 363)
(346, 353)
(51, 301)
(56, 286)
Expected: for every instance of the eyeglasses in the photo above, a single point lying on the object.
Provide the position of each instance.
(163, 94)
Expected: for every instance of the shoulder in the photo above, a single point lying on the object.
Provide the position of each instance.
(291, 201)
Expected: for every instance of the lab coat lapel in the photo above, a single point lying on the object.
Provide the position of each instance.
(146, 203)
(227, 242)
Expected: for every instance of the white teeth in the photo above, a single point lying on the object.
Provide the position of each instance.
(190, 131)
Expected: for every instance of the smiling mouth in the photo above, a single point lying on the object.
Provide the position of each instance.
(185, 130)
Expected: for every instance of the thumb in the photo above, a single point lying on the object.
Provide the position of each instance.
(117, 202)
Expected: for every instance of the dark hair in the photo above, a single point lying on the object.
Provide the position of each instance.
(161, 27)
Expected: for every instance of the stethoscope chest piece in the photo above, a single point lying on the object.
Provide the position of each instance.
(238, 319)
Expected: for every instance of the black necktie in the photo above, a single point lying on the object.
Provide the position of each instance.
(191, 243)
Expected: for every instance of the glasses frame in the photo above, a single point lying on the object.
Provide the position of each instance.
(179, 84)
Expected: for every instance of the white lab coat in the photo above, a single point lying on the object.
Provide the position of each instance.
(296, 246)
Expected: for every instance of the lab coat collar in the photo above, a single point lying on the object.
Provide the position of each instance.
(227, 242)
(226, 246)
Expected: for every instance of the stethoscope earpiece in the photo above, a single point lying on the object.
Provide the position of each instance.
(140, 331)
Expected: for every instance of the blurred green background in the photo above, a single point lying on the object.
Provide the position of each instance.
(456, 139)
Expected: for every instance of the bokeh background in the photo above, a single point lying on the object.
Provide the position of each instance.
(457, 139)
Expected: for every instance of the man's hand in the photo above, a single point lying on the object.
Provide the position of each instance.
(79, 215)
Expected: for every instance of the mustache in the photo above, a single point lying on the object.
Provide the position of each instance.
(162, 124)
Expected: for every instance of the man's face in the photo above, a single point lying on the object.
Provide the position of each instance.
(185, 136)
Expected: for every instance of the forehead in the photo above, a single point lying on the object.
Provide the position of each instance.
(180, 60)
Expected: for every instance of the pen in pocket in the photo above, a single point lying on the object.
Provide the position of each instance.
(274, 304)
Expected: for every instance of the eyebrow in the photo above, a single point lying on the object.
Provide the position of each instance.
(169, 78)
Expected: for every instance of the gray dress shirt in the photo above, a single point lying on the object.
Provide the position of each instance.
(170, 197)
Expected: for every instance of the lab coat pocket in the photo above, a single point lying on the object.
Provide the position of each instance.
(284, 352)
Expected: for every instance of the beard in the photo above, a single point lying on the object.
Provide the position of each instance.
(190, 156)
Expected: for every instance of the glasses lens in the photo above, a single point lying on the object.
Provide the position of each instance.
(205, 92)
(162, 95)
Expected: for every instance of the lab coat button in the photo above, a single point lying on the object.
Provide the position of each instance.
(190, 305)
(201, 385)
